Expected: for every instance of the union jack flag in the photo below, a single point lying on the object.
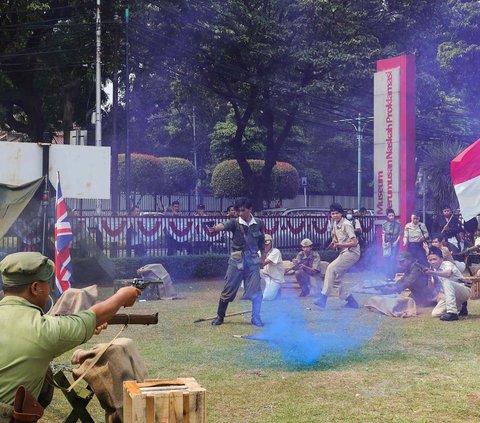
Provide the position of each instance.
(63, 237)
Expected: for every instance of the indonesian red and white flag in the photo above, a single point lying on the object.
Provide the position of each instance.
(465, 171)
(63, 238)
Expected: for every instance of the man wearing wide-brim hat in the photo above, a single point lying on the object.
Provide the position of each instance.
(306, 264)
(31, 339)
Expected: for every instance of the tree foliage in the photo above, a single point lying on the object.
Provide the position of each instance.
(435, 164)
(227, 180)
(147, 174)
(179, 175)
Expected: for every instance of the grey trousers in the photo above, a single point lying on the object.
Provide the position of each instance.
(336, 269)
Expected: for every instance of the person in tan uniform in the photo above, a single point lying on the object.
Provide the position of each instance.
(306, 264)
(345, 242)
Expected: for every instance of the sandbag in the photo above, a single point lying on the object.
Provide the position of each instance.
(120, 362)
(392, 305)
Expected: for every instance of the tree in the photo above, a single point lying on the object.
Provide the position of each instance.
(179, 175)
(147, 175)
(435, 163)
(227, 180)
(269, 61)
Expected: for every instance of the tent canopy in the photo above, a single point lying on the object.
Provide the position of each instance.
(13, 200)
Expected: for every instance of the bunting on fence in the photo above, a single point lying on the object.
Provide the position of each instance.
(63, 237)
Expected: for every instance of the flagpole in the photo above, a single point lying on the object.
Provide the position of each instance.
(45, 200)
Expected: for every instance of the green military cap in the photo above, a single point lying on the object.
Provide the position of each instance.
(24, 268)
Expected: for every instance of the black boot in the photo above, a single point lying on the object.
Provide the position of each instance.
(321, 301)
(222, 309)
(256, 306)
(351, 302)
(464, 310)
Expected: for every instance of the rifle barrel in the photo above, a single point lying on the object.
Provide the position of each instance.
(134, 319)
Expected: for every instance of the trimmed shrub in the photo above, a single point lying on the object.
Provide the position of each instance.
(179, 175)
(146, 173)
(286, 181)
(227, 179)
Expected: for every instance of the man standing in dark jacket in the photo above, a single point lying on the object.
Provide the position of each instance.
(248, 240)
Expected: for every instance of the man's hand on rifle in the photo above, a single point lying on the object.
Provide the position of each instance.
(100, 328)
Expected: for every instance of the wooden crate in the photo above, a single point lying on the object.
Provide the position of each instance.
(179, 400)
(475, 286)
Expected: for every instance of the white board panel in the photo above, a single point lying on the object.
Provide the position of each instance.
(20, 162)
(84, 170)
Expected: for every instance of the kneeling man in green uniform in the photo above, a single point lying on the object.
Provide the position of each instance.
(29, 338)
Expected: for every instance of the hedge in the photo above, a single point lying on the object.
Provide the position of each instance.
(180, 175)
(227, 179)
(181, 268)
(146, 173)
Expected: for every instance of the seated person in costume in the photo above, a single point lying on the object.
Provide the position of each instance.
(455, 291)
(306, 264)
(272, 272)
(31, 339)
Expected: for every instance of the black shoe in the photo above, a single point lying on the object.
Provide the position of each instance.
(256, 321)
(449, 317)
(321, 301)
(351, 302)
(303, 294)
(464, 310)
(217, 321)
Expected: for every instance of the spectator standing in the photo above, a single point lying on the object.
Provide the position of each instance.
(231, 212)
(391, 233)
(357, 226)
(173, 246)
(136, 237)
(415, 238)
(201, 245)
(450, 227)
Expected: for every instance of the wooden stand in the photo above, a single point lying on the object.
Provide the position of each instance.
(475, 286)
(179, 400)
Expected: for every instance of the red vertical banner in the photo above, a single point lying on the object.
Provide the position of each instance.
(394, 136)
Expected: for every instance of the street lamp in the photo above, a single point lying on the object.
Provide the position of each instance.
(359, 124)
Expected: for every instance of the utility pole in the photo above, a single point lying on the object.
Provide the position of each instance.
(195, 154)
(127, 116)
(359, 124)
(114, 144)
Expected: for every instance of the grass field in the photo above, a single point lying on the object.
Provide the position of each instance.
(336, 365)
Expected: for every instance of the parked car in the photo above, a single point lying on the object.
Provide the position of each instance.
(294, 211)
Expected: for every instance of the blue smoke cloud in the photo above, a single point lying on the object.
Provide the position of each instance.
(303, 336)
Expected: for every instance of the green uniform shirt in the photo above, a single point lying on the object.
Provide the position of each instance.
(30, 340)
(251, 239)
